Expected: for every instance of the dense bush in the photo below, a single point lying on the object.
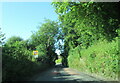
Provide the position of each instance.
(101, 58)
(17, 70)
(17, 61)
(90, 37)
(88, 25)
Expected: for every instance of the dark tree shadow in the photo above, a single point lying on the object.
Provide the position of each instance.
(64, 60)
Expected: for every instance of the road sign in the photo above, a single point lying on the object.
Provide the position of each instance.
(35, 54)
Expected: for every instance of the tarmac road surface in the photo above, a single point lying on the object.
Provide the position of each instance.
(66, 75)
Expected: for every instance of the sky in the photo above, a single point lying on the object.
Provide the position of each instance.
(21, 18)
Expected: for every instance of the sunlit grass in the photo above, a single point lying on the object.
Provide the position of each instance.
(101, 58)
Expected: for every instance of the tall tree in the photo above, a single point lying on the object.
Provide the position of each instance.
(83, 23)
(44, 39)
(13, 39)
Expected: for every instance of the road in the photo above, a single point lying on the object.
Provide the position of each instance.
(67, 75)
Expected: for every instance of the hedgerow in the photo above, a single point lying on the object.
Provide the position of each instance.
(101, 58)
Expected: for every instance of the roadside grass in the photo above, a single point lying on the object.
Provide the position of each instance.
(100, 58)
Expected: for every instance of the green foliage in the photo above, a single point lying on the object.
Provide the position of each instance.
(87, 22)
(101, 58)
(46, 34)
(58, 61)
(82, 27)
(19, 69)
(44, 40)
(85, 26)
(18, 61)
(42, 50)
(17, 50)
(13, 39)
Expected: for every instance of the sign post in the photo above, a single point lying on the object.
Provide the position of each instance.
(35, 54)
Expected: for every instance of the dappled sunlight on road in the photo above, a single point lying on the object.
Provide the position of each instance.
(59, 73)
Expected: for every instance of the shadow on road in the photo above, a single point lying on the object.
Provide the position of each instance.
(61, 74)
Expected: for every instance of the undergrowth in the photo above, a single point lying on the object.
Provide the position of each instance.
(101, 58)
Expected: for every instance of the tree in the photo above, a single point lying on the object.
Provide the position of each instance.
(88, 22)
(45, 38)
(83, 24)
(13, 39)
(16, 47)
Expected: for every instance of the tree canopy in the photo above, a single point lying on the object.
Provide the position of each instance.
(84, 23)
(45, 38)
